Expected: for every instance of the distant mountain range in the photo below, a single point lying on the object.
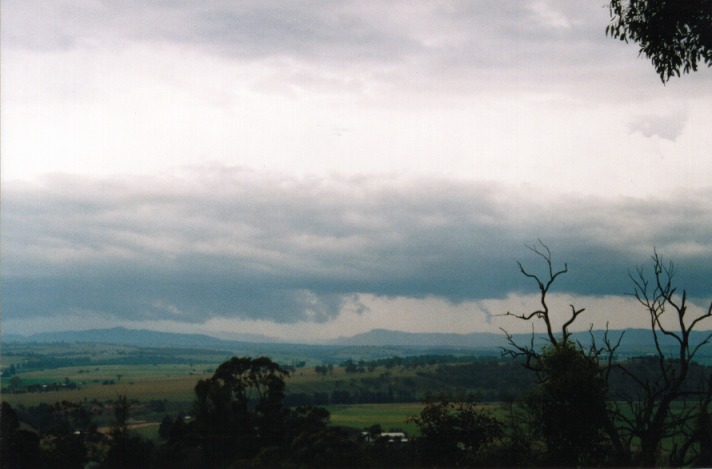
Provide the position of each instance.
(636, 341)
(138, 337)
(385, 337)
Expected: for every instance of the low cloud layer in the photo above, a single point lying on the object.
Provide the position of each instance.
(235, 243)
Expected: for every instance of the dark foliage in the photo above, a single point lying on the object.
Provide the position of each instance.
(662, 400)
(569, 406)
(19, 449)
(454, 430)
(240, 419)
(676, 35)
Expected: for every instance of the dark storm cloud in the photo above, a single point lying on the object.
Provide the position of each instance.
(235, 243)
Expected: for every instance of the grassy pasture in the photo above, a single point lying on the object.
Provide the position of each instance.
(170, 382)
(175, 384)
(148, 431)
(111, 372)
(140, 382)
(389, 416)
(357, 416)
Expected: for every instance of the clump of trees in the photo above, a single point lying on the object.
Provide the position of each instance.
(240, 419)
(455, 431)
(662, 413)
(124, 449)
(18, 448)
(61, 440)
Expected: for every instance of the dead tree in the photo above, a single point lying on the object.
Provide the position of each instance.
(668, 402)
(651, 418)
(529, 352)
(572, 378)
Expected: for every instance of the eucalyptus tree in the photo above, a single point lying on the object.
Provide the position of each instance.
(675, 35)
(239, 410)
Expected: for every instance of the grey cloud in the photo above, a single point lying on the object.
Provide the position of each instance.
(336, 31)
(431, 46)
(312, 33)
(243, 244)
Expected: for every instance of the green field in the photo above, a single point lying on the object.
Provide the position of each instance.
(175, 383)
(138, 382)
(389, 416)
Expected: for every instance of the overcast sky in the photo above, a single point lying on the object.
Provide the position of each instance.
(307, 170)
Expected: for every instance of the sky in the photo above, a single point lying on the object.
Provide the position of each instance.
(310, 170)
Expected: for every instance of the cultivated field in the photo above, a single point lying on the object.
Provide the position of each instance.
(173, 385)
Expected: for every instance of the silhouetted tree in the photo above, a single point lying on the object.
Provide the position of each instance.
(703, 436)
(674, 34)
(182, 450)
(19, 449)
(240, 420)
(329, 447)
(240, 410)
(667, 403)
(122, 409)
(663, 403)
(164, 429)
(129, 452)
(126, 451)
(64, 429)
(569, 403)
(65, 451)
(570, 407)
(454, 429)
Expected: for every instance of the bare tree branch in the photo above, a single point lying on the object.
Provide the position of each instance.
(654, 419)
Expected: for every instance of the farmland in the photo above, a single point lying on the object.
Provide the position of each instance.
(363, 390)
(357, 393)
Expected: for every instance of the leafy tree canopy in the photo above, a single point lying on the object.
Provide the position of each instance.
(674, 34)
(454, 429)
